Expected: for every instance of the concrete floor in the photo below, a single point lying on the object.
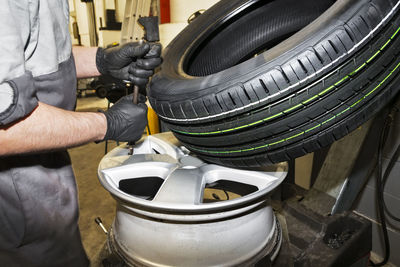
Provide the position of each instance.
(94, 200)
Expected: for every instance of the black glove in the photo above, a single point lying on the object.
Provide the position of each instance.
(126, 121)
(133, 61)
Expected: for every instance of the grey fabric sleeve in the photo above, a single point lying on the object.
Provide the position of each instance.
(6, 96)
(23, 101)
(17, 92)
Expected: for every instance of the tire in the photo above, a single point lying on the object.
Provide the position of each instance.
(317, 76)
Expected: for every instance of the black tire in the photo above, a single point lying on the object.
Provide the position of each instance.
(296, 97)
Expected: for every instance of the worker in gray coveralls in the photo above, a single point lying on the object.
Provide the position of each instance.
(38, 197)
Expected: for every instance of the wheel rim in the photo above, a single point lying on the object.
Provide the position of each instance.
(173, 211)
(156, 158)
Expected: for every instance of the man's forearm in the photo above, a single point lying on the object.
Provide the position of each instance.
(85, 61)
(50, 128)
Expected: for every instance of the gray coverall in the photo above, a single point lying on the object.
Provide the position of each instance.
(38, 196)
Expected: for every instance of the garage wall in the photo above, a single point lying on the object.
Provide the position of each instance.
(180, 12)
(182, 9)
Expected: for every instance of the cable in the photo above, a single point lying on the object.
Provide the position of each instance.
(381, 181)
(385, 177)
(379, 196)
(389, 168)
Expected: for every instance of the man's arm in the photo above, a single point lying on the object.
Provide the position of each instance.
(31, 126)
(50, 128)
(85, 61)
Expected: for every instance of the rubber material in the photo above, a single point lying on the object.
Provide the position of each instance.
(303, 94)
(262, 28)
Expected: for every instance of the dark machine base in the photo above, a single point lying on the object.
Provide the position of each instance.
(313, 239)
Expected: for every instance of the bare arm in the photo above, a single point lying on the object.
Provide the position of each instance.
(85, 61)
(50, 128)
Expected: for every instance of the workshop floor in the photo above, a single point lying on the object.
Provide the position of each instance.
(94, 201)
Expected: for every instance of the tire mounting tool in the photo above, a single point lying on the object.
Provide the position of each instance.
(152, 36)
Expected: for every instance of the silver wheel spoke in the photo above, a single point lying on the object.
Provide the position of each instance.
(161, 175)
(184, 186)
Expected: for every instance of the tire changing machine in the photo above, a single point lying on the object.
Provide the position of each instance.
(173, 209)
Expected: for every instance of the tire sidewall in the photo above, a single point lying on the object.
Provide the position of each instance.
(181, 86)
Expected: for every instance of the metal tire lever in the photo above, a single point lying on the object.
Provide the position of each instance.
(151, 35)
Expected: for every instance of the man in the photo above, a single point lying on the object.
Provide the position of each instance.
(38, 198)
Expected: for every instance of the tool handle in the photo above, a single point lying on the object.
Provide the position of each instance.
(151, 34)
(151, 30)
(135, 94)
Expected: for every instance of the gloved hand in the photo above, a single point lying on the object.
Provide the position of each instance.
(126, 121)
(133, 61)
